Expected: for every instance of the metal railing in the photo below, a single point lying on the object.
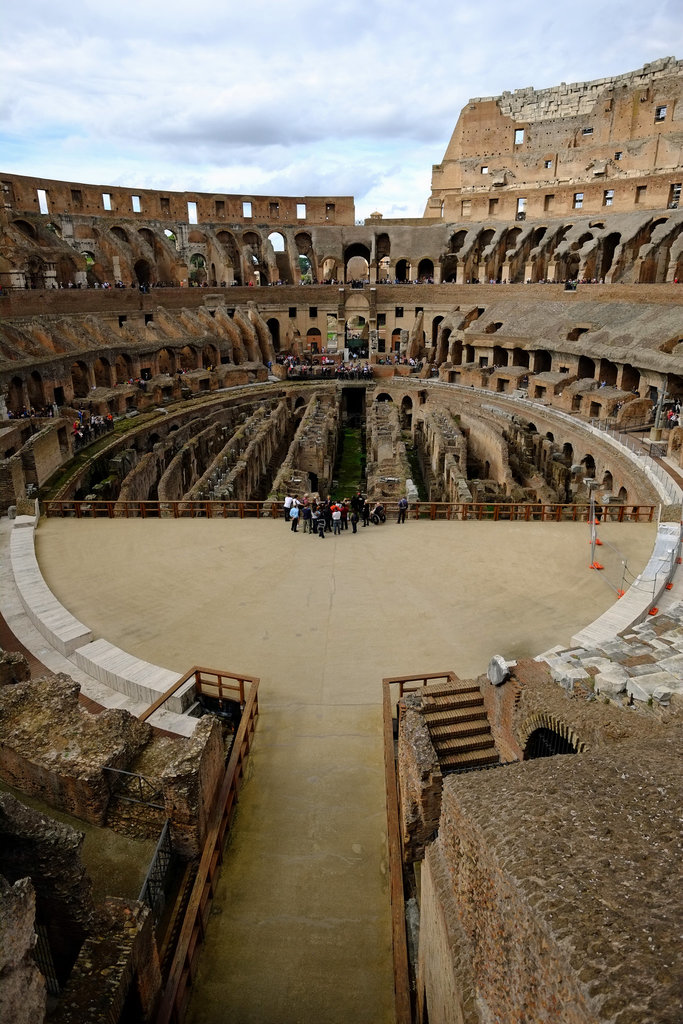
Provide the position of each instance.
(146, 792)
(634, 445)
(153, 891)
(455, 510)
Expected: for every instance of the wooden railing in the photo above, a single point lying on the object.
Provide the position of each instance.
(553, 512)
(209, 681)
(184, 965)
(406, 684)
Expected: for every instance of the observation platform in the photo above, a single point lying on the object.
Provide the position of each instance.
(304, 891)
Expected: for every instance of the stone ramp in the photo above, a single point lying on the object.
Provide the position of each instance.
(57, 625)
(107, 675)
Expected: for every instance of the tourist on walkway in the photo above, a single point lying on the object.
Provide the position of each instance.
(307, 516)
(366, 513)
(402, 509)
(294, 516)
(354, 521)
(336, 518)
(287, 506)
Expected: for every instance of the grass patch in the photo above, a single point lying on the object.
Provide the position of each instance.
(350, 467)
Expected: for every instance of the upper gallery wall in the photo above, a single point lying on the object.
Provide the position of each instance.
(610, 145)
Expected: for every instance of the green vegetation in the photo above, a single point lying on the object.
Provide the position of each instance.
(415, 471)
(350, 466)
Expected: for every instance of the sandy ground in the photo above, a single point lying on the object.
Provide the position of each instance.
(300, 928)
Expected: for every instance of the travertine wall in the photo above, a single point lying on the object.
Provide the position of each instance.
(621, 135)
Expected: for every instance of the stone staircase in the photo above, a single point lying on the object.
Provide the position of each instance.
(458, 726)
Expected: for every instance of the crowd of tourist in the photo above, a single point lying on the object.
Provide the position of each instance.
(321, 516)
(87, 428)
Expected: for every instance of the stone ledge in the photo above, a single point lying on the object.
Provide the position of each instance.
(56, 624)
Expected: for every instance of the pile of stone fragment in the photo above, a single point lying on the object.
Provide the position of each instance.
(645, 664)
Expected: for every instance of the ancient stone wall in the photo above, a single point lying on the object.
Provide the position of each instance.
(615, 142)
(48, 852)
(519, 851)
(420, 781)
(54, 750)
(190, 786)
(22, 986)
(388, 469)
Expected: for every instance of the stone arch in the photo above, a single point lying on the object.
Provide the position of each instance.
(402, 271)
(210, 356)
(197, 264)
(553, 724)
(36, 390)
(196, 237)
(25, 228)
(520, 357)
(442, 347)
(231, 254)
(543, 361)
(187, 358)
(120, 233)
(16, 399)
(330, 269)
(609, 247)
(123, 368)
(102, 372)
(313, 340)
(80, 379)
(406, 414)
(383, 396)
(143, 273)
(425, 269)
(586, 368)
(166, 361)
(630, 378)
(273, 326)
(608, 372)
(356, 252)
(65, 271)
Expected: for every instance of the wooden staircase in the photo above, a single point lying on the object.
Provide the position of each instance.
(458, 726)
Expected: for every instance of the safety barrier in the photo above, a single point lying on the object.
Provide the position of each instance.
(183, 967)
(553, 512)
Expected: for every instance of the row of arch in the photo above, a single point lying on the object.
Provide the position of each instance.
(646, 251)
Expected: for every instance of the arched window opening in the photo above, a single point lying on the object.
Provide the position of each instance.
(166, 361)
(425, 270)
(120, 234)
(313, 340)
(277, 241)
(187, 358)
(274, 327)
(36, 392)
(171, 238)
(402, 271)
(542, 361)
(198, 273)
(384, 397)
(143, 273)
(79, 380)
(102, 370)
(406, 413)
(209, 356)
(123, 369)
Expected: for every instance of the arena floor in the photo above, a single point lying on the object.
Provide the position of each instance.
(300, 929)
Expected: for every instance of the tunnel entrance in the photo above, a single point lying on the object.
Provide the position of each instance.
(547, 743)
